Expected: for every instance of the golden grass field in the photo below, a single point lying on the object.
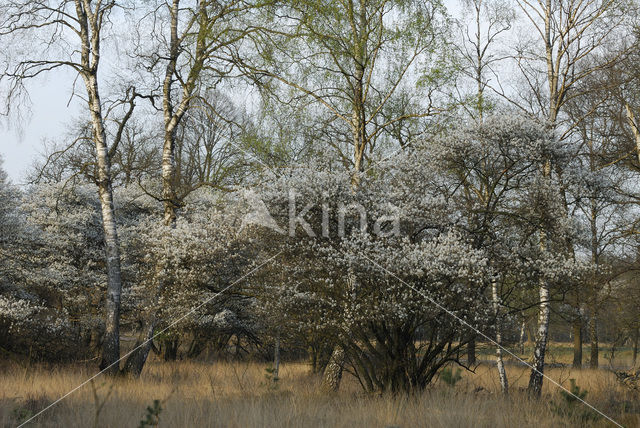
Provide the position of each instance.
(238, 394)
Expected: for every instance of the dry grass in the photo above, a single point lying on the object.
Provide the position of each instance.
(240, 395)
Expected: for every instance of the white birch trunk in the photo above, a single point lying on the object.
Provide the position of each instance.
(89, 22)
(634, 128)
(504, 383)
(170, 122)
(536, 378)
(523, 326)
(542, 335)
(173, 114)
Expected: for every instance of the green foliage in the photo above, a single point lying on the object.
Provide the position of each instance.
(576, 393)
(271, 378)
(448, 376)
(28, 408)
(21, 414)
(152, 418)
(572, 406)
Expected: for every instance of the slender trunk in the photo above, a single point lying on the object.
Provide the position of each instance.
(168, 178)
(542, 335)
(173, 114)
(314, 359)
(276, 359)
(479, 62)
(333, 372)
(174, 110)
(577, 343)
(471, 351)
(593, 333)
(136, 360)
(536, 378)
(358, 128)
(634, 128)
(613, 352)
(504, 382)
(170, 121)
(196, 347)
(523, 326)
(111, 341)
(358, 124)
(634, 357)
(552, 70)
(89, 22)
(170, 348)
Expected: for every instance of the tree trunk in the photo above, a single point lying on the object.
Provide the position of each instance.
(136, 360)
(634, 127)
(314, 359)
(536, 378)
(172, 117)
(171, 120)
(471, 351)
(593, 333)
(359, 120)
(635, 347)
(577, 343)
(174, 110)
(170, 348)
(333, 372)
(111, 341)
(168, 178)
(276, 359)
(504, 382)
(196, 347)
(523, 327)
(542, 335)
(613, 351)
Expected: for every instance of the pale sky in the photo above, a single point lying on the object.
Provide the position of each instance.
(45, 119)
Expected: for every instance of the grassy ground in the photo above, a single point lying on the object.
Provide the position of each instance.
(242, 395)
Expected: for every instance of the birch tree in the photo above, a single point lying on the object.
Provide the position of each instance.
(486, 22)
(200, 38)
(200, 35)
(353, 59)
(569, 38)
(567, 34)
(70, 35)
